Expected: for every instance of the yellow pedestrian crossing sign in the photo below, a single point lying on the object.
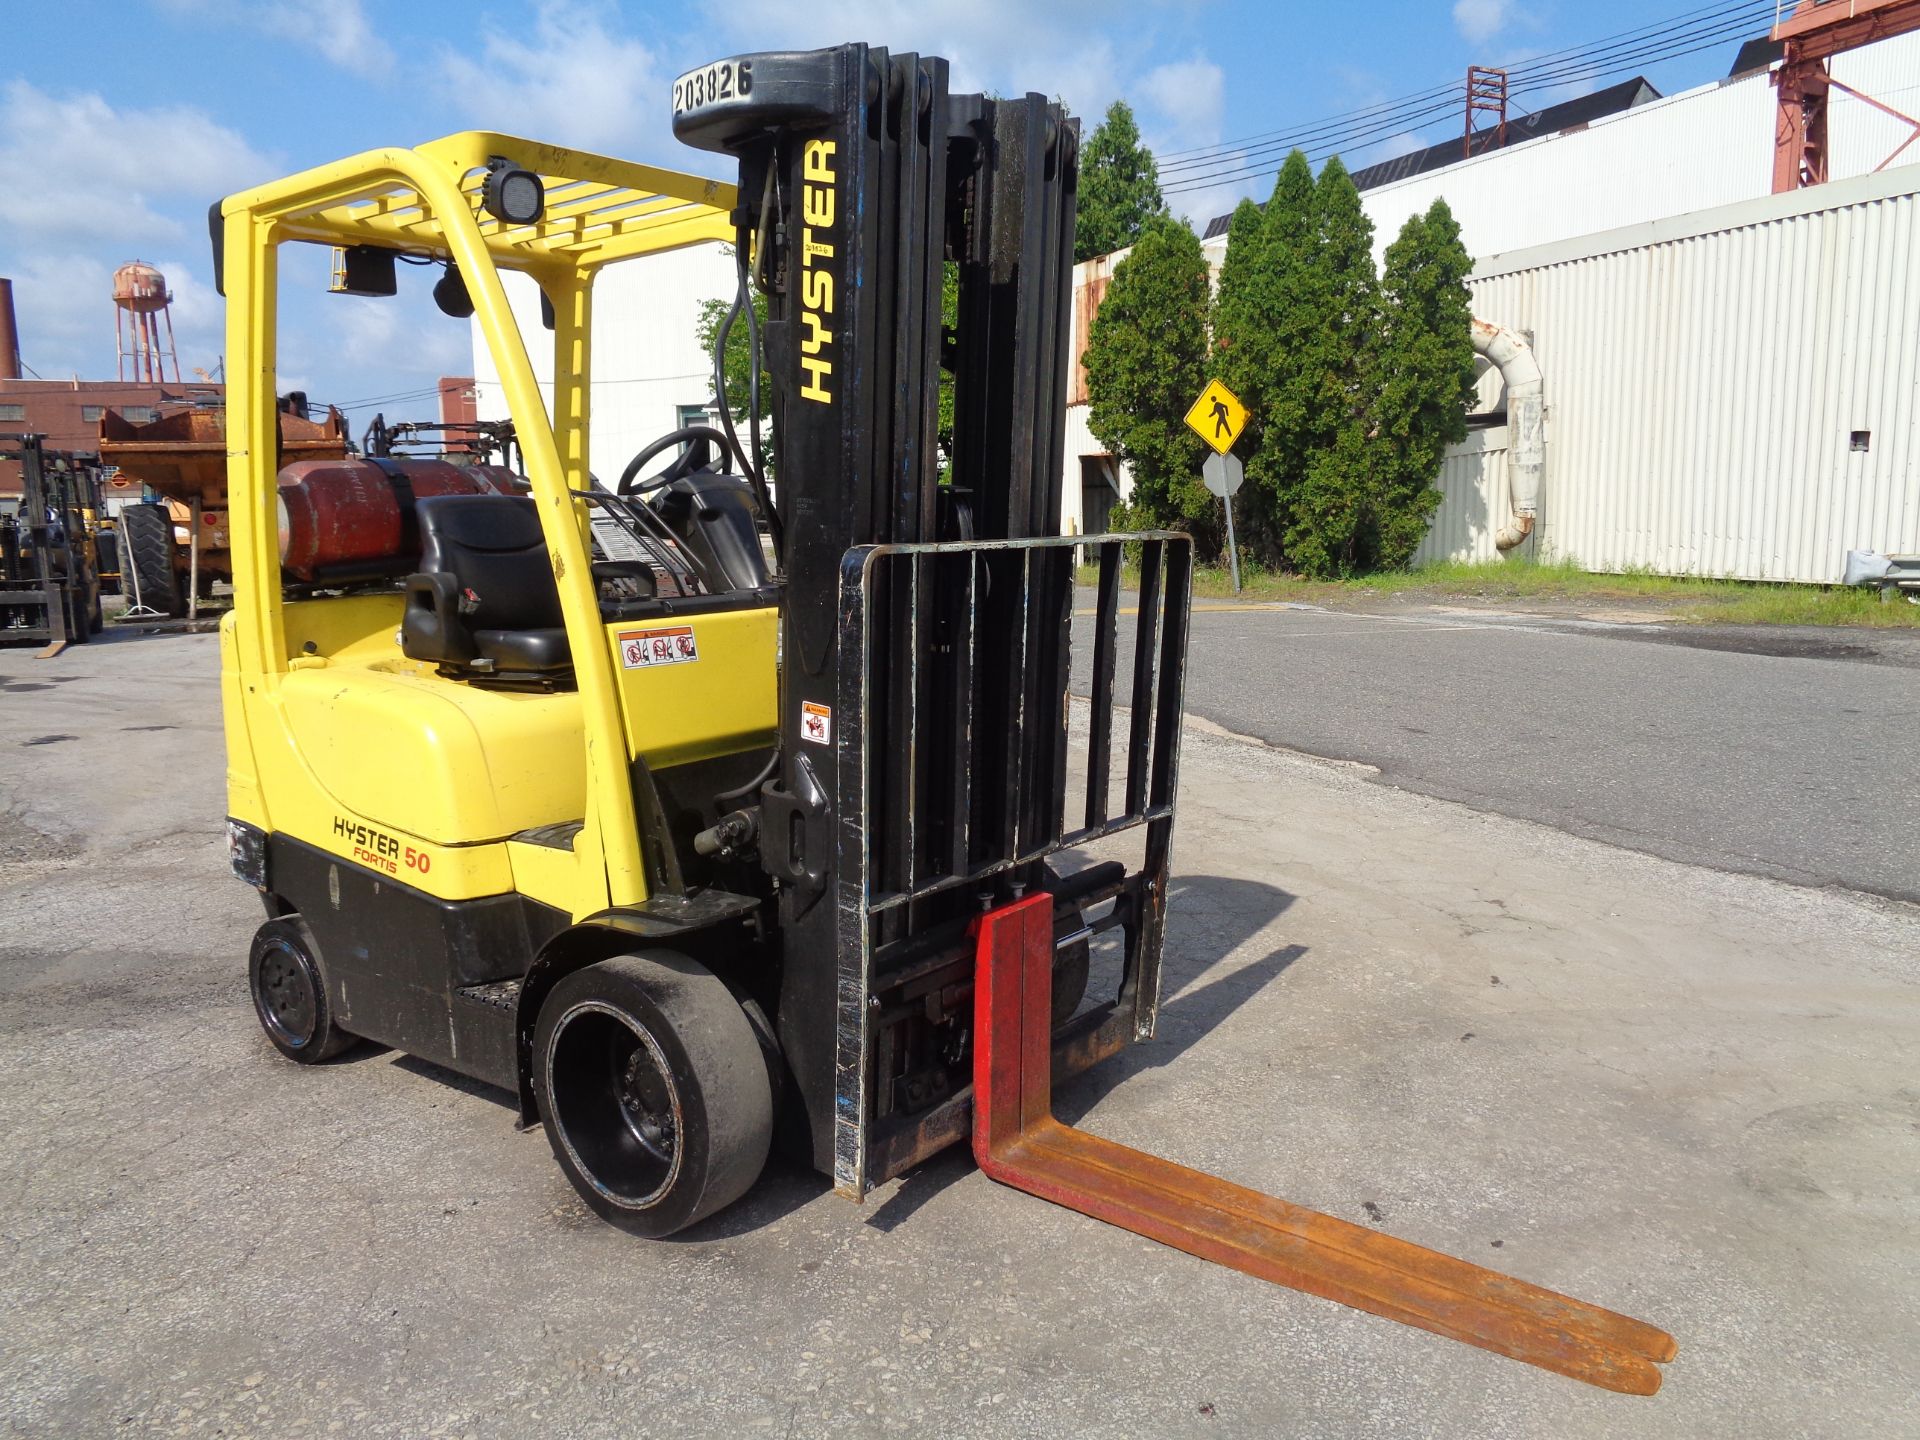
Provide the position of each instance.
(1217, 417)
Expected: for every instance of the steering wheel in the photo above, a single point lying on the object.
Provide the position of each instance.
(699, 440)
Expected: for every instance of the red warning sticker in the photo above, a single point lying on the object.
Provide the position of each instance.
(816, 723)
(643, 649)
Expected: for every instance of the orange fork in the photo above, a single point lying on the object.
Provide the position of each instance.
(1018, 1142)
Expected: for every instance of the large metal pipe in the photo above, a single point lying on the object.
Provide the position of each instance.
(1526, 428)
(9, 334)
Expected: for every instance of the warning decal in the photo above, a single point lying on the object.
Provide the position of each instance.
(643, 649)
(816, 723)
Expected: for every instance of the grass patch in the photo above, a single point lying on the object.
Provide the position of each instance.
(1717, 602)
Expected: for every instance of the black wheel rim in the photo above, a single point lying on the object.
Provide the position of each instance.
(285, 996)
(613, 1103)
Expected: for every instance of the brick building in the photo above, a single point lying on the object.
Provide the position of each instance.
(68, 412)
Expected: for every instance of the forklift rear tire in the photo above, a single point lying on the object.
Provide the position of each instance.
(290, 994)
(653, 1090)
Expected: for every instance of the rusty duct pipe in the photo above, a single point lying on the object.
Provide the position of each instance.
(9, 334)
(1526, 432)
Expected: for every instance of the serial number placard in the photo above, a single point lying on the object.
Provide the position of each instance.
(715, 84)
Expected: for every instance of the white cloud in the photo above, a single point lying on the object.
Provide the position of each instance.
(104, 174)
(1087, 54)
(1189, 97)
(337, 30)
(1005, 46)
(1480, 20)
(576, 80)
(109, 185)
(65, 307)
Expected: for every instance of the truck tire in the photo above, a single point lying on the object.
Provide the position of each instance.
(289, 992)
(653, 1090)
(146, 560)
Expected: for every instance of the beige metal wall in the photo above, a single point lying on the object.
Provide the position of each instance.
(1473, 482)
(1705, 377)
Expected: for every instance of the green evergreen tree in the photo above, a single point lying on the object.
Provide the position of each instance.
(1330, 516)
(1423, 379)
(1146, 361)
(1264, 319)
(1119, 186)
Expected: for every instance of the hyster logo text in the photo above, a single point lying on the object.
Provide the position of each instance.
(816, 284)
(379, 850)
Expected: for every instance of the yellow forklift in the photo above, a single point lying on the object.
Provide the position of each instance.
(704, 818)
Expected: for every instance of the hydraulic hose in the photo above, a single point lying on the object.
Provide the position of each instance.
(743, 300)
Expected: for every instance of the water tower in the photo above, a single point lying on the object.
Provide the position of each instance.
(141, 304)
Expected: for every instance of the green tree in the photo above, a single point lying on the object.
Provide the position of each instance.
(1146, 361)
(1423, 379)
(1330, 518)
(1119, 186)
(1265, 319)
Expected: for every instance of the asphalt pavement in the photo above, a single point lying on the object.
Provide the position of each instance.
(1788, 753)
(1677, 1092)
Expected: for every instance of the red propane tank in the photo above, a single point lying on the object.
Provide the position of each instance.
(353, 513)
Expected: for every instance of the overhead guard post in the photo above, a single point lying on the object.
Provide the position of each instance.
(1018, 1142)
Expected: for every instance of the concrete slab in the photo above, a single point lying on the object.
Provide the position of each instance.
(1682, 1093)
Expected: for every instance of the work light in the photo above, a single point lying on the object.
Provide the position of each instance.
(450, 294)
(511, 195)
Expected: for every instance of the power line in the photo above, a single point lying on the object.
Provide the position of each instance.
(1328, 139)
(1746, 11)
(1697, 30)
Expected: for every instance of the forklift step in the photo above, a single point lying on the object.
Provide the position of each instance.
(1018, 1142)
(496, 994)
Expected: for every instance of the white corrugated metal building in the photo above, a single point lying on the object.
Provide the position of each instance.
(1703, 147)
(1734, 392)
(1692, 501)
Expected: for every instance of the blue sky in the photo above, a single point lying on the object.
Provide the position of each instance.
(120, 122)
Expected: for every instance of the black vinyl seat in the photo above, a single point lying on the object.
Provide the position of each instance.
(484, 601)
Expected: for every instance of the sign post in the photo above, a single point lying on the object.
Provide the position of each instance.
(1223, 475)
(1218, 418)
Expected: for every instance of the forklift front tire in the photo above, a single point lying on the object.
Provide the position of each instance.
(290, 994)
(653, 1090)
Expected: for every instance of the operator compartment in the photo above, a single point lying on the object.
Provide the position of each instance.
(422, 609)
(361, 542)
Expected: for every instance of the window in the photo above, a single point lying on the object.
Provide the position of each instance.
(696, 415)
(91, 413)
(136, 414)
(13, 412)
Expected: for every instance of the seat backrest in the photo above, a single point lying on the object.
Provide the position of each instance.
(492, 546)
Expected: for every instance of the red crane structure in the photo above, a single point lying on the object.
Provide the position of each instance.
(1486, 94)
(1812, 32)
